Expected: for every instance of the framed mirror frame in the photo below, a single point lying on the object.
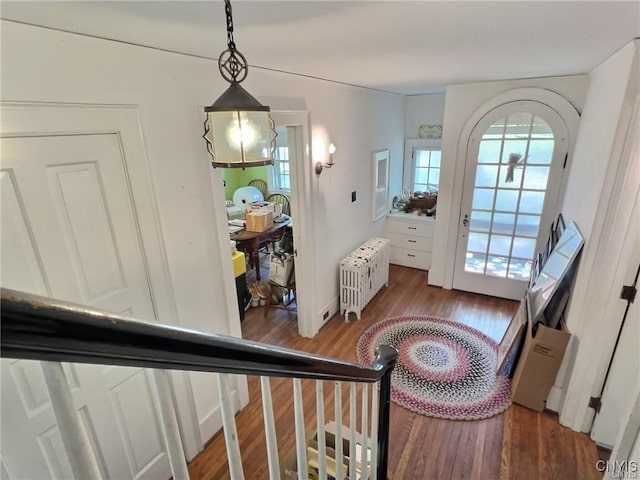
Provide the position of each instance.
(380, 183)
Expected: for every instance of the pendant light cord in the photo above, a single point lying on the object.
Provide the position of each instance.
(230, 42)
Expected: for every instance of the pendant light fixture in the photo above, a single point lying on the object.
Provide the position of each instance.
(238, 130)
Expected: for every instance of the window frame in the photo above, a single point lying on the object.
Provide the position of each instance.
(281, 143)
(274, 178)
(411, 144)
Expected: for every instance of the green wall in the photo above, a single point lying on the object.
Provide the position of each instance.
(236, 178)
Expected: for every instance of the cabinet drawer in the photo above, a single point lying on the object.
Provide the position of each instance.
(409, 227)
(410, 258)
(411, 242)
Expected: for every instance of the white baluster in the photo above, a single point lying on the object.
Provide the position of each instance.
(365, 429)
(338, 417)
(76, 442)
(352, 430)
(322, 443)
(301, 441)
(270, 430)
(230, 431)
(169, 424)
(375, 413)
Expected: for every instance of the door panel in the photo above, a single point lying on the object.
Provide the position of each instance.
(22, 259)
(69, 231)
(513, 174)
(78, 195)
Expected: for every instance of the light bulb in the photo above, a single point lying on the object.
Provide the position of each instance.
(242, 133)
(332, 150)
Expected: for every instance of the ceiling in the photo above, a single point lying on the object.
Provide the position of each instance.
(409, 48)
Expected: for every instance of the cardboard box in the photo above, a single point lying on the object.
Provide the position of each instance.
(258, 220)
(538, 365)
(281, 270)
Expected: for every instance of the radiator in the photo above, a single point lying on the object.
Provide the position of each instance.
(362, 274)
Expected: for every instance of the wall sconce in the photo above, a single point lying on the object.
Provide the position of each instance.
(238, 130)
(319, 165)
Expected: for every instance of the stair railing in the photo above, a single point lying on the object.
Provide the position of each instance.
(53, 331)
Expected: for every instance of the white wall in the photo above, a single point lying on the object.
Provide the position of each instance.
(359, 122)
(598, 125)
(461, 102)
(422, 110)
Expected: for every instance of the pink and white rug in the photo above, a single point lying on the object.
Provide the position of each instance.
(445, 369)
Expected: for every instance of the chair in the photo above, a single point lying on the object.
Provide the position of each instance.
(288, 294)
(260, 185)
(282, 199)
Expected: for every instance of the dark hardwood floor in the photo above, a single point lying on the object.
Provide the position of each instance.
(518, 444)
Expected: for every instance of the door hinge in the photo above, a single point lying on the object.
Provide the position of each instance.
(565, 161)
(628, 293)
(595, 403)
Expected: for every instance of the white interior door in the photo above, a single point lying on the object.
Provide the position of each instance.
(622, 377)
(69, 231)
(515, 161)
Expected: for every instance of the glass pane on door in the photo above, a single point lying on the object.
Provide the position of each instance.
(514, 159)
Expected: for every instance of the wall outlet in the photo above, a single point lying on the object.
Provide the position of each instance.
(326, 315)
(353, 196)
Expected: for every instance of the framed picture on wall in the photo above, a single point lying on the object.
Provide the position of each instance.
(380, 183)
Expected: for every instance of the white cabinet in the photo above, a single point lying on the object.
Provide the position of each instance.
(411, 239)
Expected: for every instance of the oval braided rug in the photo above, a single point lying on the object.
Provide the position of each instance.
(445, 369)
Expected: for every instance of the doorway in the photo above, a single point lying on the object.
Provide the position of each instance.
(513, 174)
(297, 125)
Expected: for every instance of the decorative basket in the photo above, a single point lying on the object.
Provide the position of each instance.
(425, 202)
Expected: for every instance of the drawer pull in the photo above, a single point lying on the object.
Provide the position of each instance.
(411, 241)
(411, 255)
(412, 228)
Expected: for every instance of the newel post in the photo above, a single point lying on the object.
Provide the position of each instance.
(386, 357)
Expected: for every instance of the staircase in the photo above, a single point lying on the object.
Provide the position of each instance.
(52, 331)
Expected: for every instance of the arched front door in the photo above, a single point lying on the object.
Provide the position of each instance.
(513, 174)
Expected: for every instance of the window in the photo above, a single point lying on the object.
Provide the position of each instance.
(426, 169)
(281, 171)
(512, 173)
(280, 174)
(422, 165)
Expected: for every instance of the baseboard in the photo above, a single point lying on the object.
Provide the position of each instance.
(329, 310)
(555, 399)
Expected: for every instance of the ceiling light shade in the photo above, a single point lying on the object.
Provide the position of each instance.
(238, 129)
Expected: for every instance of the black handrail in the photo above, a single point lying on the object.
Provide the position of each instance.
(40, 328)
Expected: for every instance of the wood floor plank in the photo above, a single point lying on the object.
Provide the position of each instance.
(518, 444)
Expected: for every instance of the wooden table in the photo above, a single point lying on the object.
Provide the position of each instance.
(249, 242)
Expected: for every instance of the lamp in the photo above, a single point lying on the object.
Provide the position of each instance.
(319, 165)
(238, 130)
